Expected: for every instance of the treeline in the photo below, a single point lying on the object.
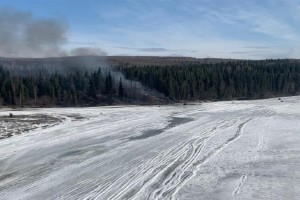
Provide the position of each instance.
(218, 81)
(221, 81)
(76, 88)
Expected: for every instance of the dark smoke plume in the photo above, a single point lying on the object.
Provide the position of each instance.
(22, 35)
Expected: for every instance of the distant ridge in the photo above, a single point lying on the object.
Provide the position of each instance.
(129, 60)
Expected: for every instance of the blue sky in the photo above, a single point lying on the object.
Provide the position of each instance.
(253, 29)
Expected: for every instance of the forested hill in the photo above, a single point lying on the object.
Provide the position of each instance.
(221, 81)
(90, 81)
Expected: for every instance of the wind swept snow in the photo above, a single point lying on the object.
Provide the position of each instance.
(219, 150)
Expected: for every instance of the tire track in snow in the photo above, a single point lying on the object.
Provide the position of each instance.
(187, 170)
(102, 188)
(180, 168)
(206, 159)
(237, 191)
(152, 173)
(265, 112)
(133, 176)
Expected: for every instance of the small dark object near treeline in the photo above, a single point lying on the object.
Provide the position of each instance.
(11, 115)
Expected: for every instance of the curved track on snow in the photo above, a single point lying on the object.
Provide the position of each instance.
(222, 150)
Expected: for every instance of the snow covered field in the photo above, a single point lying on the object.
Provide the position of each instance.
(219, 150)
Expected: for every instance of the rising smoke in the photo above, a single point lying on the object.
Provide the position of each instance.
(23, 35)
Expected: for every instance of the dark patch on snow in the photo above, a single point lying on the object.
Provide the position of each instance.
(72, 153)
(175, 121)
(147, 134)
(7, 176)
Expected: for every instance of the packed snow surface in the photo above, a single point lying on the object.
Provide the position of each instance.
(217, 150)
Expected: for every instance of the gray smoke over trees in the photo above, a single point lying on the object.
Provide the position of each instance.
(24, 36)
(30, 45)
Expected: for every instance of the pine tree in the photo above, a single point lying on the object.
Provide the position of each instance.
(109, 88)
(121, 89)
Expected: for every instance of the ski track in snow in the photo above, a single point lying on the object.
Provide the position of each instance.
(218, 150)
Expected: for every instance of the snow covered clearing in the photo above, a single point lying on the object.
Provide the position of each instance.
(219, 150)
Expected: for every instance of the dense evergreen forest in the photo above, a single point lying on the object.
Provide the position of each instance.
(74, 88)
(221, 81)
(190, 81)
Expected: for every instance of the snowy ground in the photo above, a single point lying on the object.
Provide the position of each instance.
(222, 150)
